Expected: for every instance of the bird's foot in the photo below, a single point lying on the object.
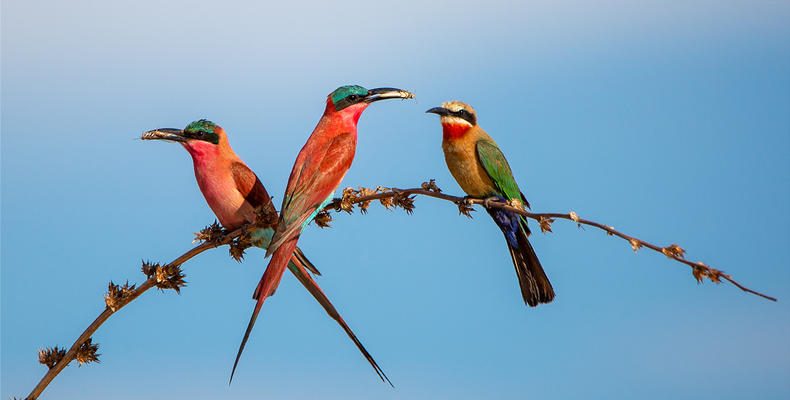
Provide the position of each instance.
(243, 232)
(468, 201)
(487, 201)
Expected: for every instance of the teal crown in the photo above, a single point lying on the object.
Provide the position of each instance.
(202, 130)
(345, 91)
(202, 125)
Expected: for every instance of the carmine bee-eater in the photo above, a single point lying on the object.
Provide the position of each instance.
(482, 171)
(233, 192)
(320, 166)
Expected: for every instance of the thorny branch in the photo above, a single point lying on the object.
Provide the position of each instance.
(404, 198)
(170, 276)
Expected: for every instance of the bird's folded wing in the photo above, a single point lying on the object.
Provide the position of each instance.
(495, 164)
(312, 184)
(248, 184)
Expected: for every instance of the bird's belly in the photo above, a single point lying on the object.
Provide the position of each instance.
(467, 171)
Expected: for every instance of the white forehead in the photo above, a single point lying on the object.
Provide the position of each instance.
(450, 120)
(456, 106)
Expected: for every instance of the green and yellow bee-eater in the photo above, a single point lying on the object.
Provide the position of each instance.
(233, 192)
(482, 171)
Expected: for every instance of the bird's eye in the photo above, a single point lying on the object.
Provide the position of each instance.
(353, 97)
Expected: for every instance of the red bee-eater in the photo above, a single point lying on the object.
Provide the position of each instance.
(482, 171)
(233, 192)
(320, 166)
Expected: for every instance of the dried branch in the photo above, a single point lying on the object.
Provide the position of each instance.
(404, 198)
(167, 276)
(170, 276)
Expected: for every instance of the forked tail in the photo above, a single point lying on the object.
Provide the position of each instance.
(311, 286)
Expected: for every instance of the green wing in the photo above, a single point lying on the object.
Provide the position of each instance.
(498, 170)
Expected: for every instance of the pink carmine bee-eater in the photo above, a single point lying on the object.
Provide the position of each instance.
(320, 166)
(233, 192)
(482, 171)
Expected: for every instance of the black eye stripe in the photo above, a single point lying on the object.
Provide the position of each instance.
(203, 135)
(466, 115)
(347, 101)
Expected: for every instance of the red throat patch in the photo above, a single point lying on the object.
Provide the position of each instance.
(355, 111)
(351, 113)
(202, 152)
(454, 131)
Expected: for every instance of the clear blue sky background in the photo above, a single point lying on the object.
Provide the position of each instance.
(669, 122)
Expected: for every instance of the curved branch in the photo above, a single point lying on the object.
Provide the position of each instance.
(212, 237)
(364, 196)
(71, 354)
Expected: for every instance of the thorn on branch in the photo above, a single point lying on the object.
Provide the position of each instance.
(464, 209)
(702, 271)
(673, 250)
(385, 201)
(635, 244)
(545, 224)
(346, 200)
(403, 201)
(431, 185)
(575, 218)
(364, 192)
(51, 356)
(323, 219)
(266, 215)
(238, 245)
(117, 296)
(166, 277)
(210, 234)
(87, 352)
(699, 272)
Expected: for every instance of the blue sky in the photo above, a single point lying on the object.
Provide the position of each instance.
(669, 122)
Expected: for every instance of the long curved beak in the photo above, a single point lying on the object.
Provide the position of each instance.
(168, 134)
(440, 111)
(387, 93)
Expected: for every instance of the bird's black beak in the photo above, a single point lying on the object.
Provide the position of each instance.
(168, 134)
(387, 93)
(439, 111)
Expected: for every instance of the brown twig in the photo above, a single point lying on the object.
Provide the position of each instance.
(155, 280)
(169, 275)
(364, 196)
